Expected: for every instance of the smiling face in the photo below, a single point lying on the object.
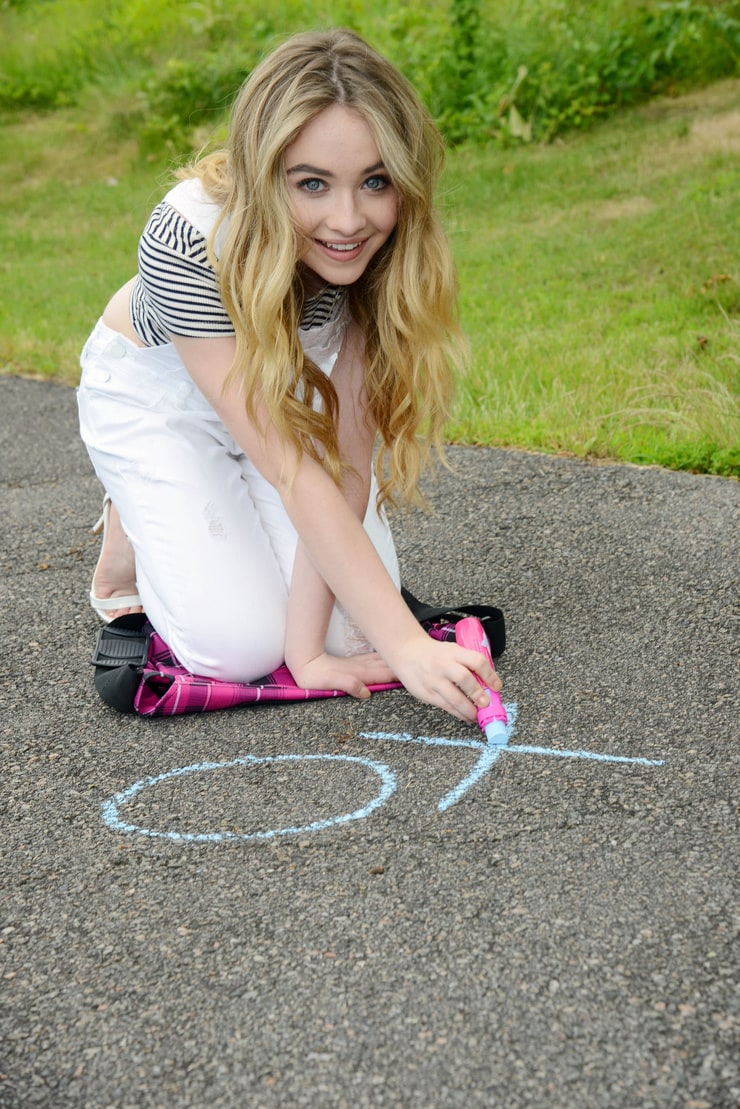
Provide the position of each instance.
(341, 197)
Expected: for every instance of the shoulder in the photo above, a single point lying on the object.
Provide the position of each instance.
(189, 198)
(186, 218)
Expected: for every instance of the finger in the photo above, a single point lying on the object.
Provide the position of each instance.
(376, 668)
(353, 686)
(472, 688)
(459, 704)
(480, 665)
(375, 673)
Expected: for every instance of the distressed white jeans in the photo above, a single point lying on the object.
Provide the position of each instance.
(213, 544)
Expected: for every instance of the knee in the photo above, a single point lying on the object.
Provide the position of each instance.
(232, 654)
(237, 644)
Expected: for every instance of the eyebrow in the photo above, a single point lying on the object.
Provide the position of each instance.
(316, 172)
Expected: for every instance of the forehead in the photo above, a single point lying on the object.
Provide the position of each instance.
(337, 137)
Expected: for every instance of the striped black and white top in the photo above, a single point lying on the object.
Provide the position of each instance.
(176, 291)
(323, 307)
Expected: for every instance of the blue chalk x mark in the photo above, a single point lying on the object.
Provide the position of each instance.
(595, 755)
(111, 807)
(490, 752)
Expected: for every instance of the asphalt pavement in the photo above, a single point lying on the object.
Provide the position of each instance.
(358, 904)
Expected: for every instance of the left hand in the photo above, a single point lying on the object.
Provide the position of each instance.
(351, 675)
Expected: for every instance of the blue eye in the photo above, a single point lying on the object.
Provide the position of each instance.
(377, 183)
(311, 185)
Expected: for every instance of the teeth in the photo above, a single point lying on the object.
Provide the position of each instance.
(341, 247)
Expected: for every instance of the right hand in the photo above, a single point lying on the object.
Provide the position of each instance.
(443, 674)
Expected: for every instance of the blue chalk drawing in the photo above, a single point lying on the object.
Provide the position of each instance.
(111, 814)
(488, 754)
(486, 759)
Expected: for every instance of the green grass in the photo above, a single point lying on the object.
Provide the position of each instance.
(72, 212)
(600, 288)
(601, 292)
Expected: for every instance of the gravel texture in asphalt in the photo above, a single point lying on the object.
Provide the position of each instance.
(559, 933)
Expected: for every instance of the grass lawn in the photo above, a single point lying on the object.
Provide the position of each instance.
(599, 275)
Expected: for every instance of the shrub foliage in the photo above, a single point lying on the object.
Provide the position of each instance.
(503, 71)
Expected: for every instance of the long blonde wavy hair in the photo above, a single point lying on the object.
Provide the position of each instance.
(406, 301)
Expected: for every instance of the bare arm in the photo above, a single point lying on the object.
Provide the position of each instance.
(311, 601)
(334, 544)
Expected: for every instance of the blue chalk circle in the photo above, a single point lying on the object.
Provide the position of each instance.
(113, 819)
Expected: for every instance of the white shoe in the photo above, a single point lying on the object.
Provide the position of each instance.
(104, 605)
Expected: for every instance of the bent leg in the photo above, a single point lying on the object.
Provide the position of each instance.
(214, 547)
(206, 569)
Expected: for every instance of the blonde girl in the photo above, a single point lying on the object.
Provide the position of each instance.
(294, 310)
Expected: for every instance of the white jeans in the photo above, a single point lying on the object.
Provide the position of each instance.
(214, 546)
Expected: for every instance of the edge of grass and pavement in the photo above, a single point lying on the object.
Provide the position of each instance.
(598, 270)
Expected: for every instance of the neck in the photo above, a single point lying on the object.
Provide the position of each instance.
(312, 283)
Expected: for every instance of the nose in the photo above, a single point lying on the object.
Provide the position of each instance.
(346, 217)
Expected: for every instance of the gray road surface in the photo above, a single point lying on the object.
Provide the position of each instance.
(560, 935)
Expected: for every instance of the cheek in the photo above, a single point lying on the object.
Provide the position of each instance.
(392, 214)
(297, 212)
(306, 212)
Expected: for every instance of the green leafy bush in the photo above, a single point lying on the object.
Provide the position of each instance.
(510, 72)
(560, 66)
